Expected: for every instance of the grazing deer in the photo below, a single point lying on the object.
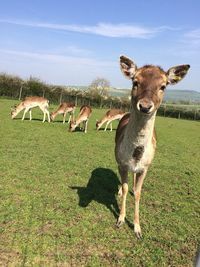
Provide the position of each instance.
(85, 112)
(64, 108)
(29, 103)
(111, 115)
(135, 136)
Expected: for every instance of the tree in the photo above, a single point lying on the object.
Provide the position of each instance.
(10, 85)
(99, 87)
(36, 86)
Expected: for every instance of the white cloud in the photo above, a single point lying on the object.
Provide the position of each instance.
(195, 34)
(104, 29)
(192, 37)
(57, 58)
(56, 68)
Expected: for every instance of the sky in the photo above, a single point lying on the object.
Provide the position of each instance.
(67, 42)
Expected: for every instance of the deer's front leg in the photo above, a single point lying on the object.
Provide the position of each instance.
(26, 110)
(47, 112)
(106, 126)
(123, 190)
(137, 187)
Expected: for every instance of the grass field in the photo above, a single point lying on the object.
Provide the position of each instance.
(59, 199)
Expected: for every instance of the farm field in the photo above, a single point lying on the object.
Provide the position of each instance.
(59, 201)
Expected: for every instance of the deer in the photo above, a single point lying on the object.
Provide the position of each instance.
(110, 116)
(135, 140)
(64, 108)
(31, 102)
(83, 117)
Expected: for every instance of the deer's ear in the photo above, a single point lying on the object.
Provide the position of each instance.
(177, 73)
(128, 67)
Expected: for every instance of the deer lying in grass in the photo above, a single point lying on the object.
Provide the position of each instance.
(111, 115)
(64, 108)
(135, 136)
(29, 103)
(83, 117)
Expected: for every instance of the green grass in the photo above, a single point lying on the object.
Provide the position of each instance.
(59, 196)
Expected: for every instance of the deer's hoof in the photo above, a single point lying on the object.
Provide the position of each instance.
(137, 231)
(138, 235)
(119, 223)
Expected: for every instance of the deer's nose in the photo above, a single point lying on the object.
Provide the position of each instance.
(145, 106)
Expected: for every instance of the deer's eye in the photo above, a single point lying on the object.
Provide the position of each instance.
(162, 88)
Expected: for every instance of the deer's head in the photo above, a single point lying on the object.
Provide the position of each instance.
(97, 125)
(52, 116)
(72, 126)
(13, 111)
(149, 83)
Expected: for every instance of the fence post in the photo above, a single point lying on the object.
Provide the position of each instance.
(100, 102)
(20, 92)
(195, 114)
(61, 96)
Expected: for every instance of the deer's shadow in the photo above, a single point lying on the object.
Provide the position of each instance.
(102, 187)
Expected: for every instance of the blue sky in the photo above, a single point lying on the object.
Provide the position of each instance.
(73, 42)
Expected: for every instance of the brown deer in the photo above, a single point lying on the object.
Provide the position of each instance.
(111, 115)
(64, 108)
(83, 117)
(135, 136)
(31, 102)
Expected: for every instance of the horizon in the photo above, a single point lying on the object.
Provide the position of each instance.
(74, 43)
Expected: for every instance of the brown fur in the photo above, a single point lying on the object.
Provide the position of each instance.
(64, 108)
(111, 115)
(31, 102)
(83, 117)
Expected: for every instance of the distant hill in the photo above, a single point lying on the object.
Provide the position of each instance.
(182, 95)
(170, 95)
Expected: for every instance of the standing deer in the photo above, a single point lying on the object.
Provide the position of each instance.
(64, 108)
(29, 103)
(135, 136)
(111, 115)
(85, 112)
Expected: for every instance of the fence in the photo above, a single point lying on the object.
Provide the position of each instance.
(189, 112)
(16, 88)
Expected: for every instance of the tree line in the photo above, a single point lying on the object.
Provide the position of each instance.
(97, 94)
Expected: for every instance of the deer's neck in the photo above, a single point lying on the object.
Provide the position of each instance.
(140, 128)
(20, 107)
(80, 119)
(102, 121)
